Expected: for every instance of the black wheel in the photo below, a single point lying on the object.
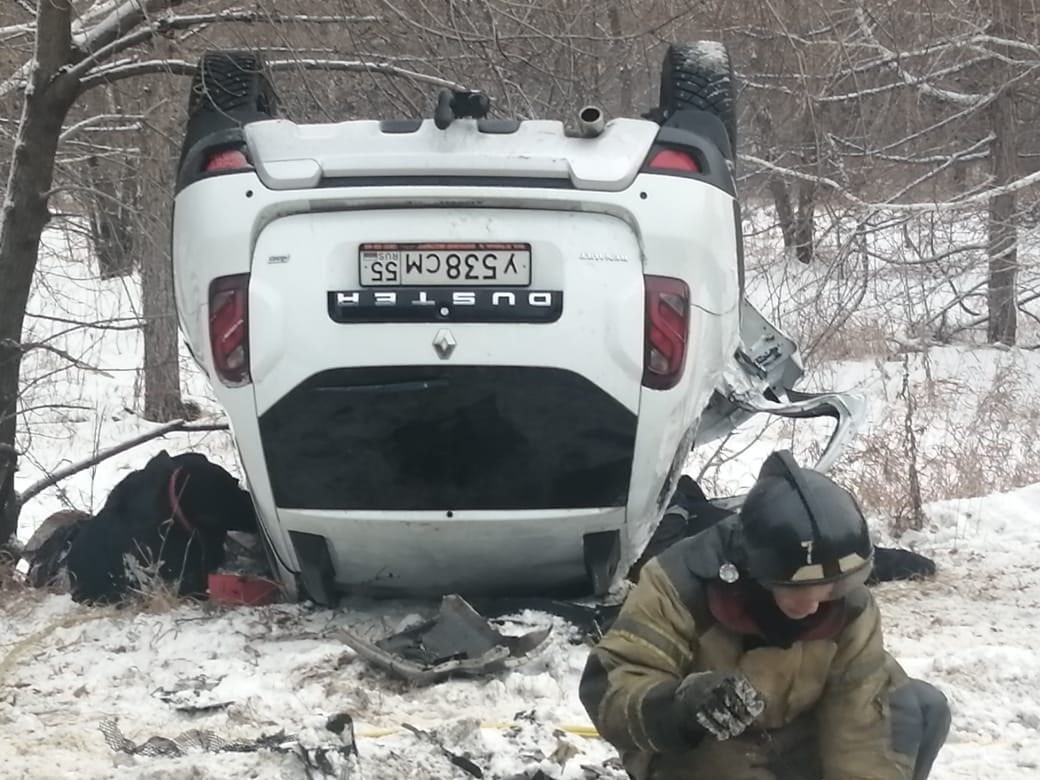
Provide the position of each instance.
(699, 75)
(232, 82)
(229, 90)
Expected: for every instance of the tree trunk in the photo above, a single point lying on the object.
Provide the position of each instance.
(162, 368)
(48, 97)
(110, 228)
(805, 219)
(805, 223)
(1003, 234)
(784, 211)
(162, 372)
(620, 50)
(796, 226)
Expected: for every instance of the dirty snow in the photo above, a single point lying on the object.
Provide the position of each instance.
(66, 669)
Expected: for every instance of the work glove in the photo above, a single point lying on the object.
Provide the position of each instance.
(722, 703)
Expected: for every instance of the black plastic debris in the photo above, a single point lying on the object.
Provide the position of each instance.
(459, 641)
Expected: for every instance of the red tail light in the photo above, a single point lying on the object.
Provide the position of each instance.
(674, 160)
(667, 331)
(226, 160)
(229, 328)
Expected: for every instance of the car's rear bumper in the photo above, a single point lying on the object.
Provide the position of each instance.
(468, 552)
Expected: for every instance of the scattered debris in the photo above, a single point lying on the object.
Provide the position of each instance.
(188, 741)
(194, 695)
(459, 641)
(462, 762)
(338, 761)
(565, 750)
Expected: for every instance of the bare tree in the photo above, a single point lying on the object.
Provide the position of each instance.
(76, 46)
(49, 92)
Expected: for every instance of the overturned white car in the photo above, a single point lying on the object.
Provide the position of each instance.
(463, 354)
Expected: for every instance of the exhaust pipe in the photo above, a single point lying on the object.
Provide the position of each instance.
(591, 121)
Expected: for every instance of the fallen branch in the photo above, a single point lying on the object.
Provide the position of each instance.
(26, 347)
(74, 468)
(135, 322)
(985, 317)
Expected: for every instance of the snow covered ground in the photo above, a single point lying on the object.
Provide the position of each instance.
(65, 669)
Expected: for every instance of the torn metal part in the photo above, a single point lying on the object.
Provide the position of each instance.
(459, 641)
(766, 367)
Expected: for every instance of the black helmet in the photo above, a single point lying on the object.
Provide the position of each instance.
(797, 527)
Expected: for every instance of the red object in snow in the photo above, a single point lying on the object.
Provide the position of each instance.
(240, 590)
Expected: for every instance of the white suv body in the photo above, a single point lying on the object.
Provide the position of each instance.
(463, 358)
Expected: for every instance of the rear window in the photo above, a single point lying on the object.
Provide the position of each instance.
(448, 438)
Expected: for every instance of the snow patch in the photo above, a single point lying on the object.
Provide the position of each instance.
(711, 56)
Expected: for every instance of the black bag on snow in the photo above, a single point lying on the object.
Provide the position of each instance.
(168, 520)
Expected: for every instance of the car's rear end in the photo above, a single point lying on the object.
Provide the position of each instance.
(459, 359)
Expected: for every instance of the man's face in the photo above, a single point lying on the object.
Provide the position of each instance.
(800, 601)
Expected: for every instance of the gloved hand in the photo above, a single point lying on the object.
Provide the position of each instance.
(722, 703)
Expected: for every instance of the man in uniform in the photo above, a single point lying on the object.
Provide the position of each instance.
(753, 651)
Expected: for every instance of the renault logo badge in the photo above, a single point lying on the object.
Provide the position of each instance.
(444, 343)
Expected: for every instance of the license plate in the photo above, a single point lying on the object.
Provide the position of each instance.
(448, 265)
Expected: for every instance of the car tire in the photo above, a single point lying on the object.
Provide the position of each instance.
(699, 75)
(229, 90)
(233, 83)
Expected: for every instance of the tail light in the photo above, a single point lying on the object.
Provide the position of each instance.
(667, 331)
(673, 161)
(229, 328)
(225, 160)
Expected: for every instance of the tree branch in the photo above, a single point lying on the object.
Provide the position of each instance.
(123, 18)
(26, 347)
(16, 31)
(939, 93)
(921, 208)
(135, 323)
(100, 118)
(982, 319)
(168, 22)
(74, 468)
(129, 69)
(905, 80)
